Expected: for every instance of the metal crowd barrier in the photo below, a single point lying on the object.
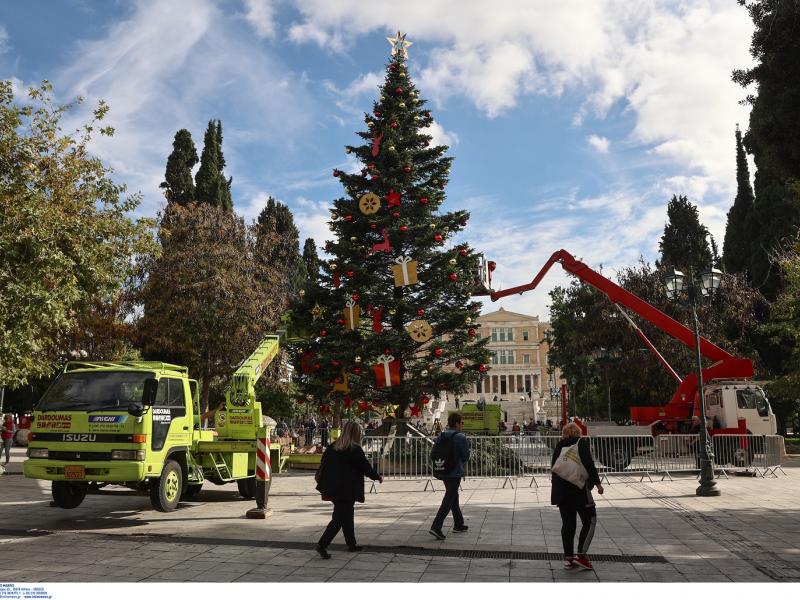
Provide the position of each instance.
(517, 457)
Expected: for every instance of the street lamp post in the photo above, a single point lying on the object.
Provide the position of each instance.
(675, 283)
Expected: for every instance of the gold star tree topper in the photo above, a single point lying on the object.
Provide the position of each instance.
(399, 44)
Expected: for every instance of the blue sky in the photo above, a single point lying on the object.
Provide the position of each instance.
(571, 123)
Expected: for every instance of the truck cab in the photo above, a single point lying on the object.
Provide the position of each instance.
(736, 407)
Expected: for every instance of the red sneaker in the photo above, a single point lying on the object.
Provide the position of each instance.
(583, 563)
(569, 563)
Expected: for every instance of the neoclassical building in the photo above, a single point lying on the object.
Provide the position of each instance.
(519, 361)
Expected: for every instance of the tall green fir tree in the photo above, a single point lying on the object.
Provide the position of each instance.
(211, 187)
(393, 318)
(772, 136)
(736, 246)
(684, 244)
(178, 185)
(277, 243)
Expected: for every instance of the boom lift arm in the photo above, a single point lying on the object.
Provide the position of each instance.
(726, 365)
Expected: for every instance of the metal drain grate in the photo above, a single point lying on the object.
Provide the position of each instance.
(25, 532)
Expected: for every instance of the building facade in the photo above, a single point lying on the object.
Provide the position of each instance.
(519, 370)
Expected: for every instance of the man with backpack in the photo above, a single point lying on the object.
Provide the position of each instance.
(449, 454)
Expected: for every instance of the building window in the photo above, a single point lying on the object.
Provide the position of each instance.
(525, 335)
(527, 383)
(503, 389)
(479, 386)
(494, 334)
(526, 359)
(503, 357)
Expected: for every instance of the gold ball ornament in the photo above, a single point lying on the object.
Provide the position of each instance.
(302, 293)
(420, 330)
(334, 215)
(424, 373)
(334, 266)
(402, 105)
(370, 124)
(392, 311)
(369, 203)
(392, 149)
(347, 150)
(353, 238)
(417, 118)
(468, 320)
(357, 359)
(433, 225)
(452, 261)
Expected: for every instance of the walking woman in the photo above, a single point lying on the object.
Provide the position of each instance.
(574, 501)
(341, 479)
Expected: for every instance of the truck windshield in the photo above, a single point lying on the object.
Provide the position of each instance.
(108, 390)
(753, 398)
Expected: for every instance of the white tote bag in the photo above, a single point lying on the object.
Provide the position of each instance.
(568, 466)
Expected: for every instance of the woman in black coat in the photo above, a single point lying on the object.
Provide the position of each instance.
(573, 501)
(341, 479)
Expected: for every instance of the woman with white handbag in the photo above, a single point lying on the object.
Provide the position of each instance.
(574, 476)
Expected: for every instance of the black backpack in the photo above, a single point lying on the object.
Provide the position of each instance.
(443, 455)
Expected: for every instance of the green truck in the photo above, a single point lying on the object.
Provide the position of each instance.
(486, 421)
(138, 424)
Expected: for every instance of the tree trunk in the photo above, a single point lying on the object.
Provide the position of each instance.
(204, 393)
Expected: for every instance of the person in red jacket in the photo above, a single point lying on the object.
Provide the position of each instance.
(7, 435)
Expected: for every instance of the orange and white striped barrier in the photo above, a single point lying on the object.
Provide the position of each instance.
(263, 466)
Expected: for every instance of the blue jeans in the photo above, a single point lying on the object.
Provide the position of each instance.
(449, 503)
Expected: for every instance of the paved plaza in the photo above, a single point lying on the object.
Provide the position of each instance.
(647, 531)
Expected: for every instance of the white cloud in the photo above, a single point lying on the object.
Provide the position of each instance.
(261, 15)
(161, 69)
(440, 136)
(668, 63)
(599, 143)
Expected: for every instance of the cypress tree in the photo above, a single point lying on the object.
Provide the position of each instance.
(772, 135)
(178, 184)
(736, 246)
(684, 244)
(211, 187)
(311, 260)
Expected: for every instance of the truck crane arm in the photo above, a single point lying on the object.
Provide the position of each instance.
(726, 365)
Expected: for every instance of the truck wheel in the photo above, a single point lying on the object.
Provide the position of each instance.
(191, 490)
(67, 494)
(247, 487)
(165, 492)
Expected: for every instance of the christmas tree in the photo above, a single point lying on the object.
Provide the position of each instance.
(391, 321)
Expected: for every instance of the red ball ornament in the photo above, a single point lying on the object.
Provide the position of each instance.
(491, 265)
(438, 352)
(387, 351)
(374, 176)
(336, 172)
(423, 200)
(348, 401)
(377, 113)
(393, 125)
(459, 364)
(424, 400)
(363, 406)
(482, 368)
(348, 218)
(396, 215)
(373, 226)
(471, 332)
(452, 276)
(355, 297)
(393, 67)
(340, 321)
(438, 237)
(301, 401)
(323, 332)
(463, 252)
(357, 370)
(317, 366)
(335, 363)
(427, 113)
(403, 228)
(407, 168)
(420, 312)
(350, 273)
(398, 90)
(371, 166)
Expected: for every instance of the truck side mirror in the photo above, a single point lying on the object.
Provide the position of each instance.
(135, 410)
(150, 391)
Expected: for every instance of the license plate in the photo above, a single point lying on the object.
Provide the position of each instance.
(74, 472)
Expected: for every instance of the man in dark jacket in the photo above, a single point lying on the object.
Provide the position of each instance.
(460, 447)
(573, 501)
